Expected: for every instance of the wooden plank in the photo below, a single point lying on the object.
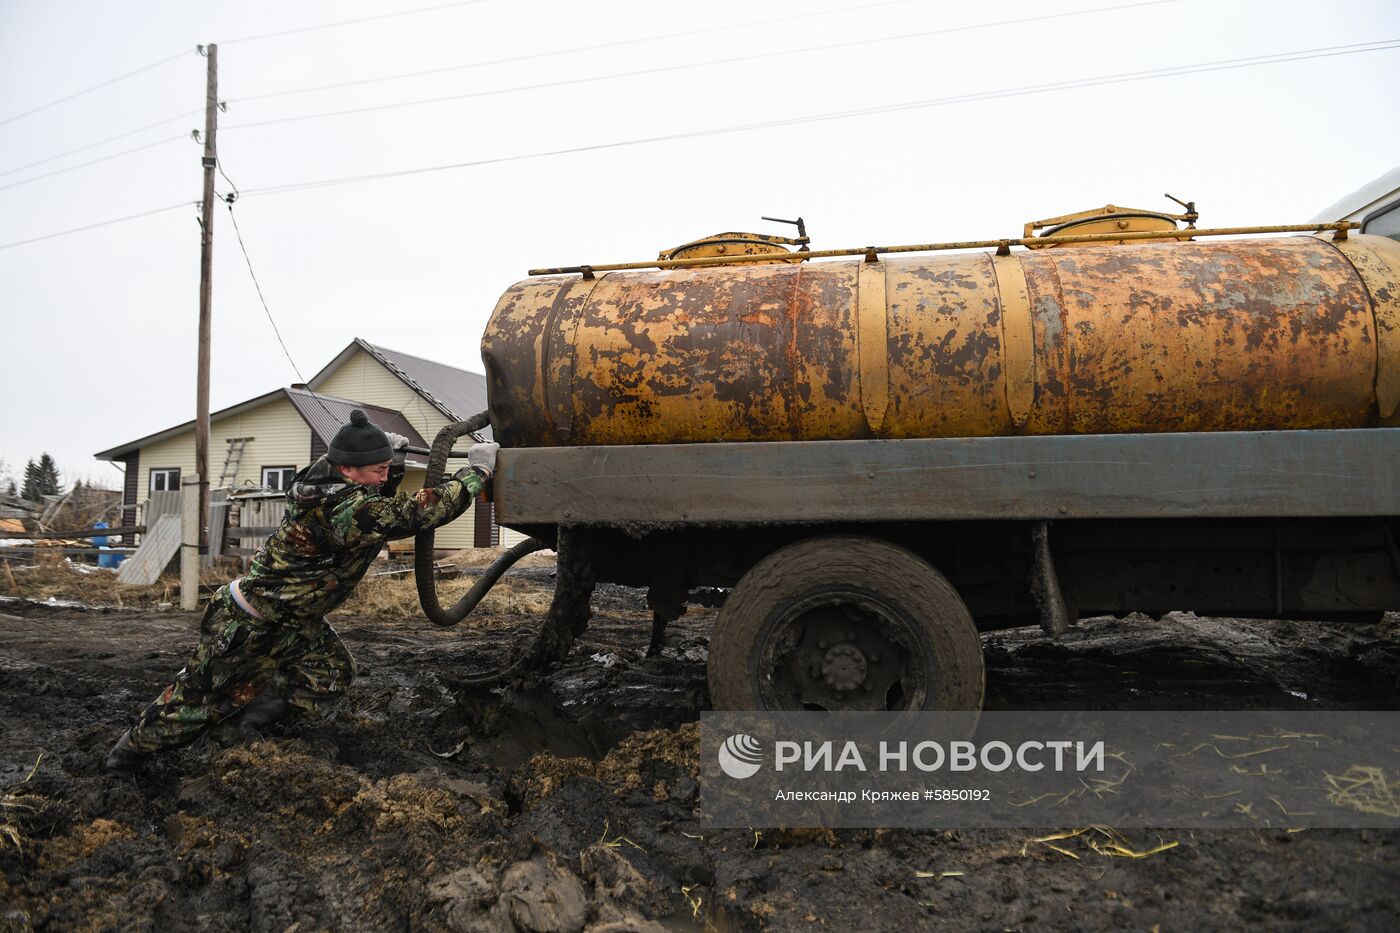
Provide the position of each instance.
(157, 548)
(86, 533)
(218, 518)
(1202, 475)
(264, 513)
(67, 550)
(258, 531)
(52, 508)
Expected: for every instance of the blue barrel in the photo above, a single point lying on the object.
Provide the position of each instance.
(107, 558)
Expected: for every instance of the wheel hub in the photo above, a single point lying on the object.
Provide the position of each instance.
(844, 667)
(838, 651)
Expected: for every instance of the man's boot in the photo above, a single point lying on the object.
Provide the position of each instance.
(266, 709)
(123, 761)
(247, 725)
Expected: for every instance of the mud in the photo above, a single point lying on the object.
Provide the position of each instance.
(569, 805)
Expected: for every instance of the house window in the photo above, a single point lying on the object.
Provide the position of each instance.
(165, 480)
(1384, 222)
(278, 477)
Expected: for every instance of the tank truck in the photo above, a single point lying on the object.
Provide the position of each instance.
(871, 454)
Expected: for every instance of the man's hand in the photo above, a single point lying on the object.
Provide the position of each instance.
(482, 457)
(399, 445)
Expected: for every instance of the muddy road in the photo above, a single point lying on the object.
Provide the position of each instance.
(570, 803)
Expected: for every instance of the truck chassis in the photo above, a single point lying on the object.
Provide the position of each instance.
(854, 570)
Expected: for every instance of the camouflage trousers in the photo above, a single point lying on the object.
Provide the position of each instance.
(238, 659)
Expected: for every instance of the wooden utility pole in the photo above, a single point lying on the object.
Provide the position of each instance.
(206, 274)
(189, 560)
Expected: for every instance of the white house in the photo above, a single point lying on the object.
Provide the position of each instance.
(266, 440)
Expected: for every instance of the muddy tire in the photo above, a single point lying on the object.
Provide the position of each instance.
(845, 623)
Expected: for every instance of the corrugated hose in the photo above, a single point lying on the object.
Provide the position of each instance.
(423, 569)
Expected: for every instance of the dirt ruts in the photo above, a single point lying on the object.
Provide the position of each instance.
(570, 804)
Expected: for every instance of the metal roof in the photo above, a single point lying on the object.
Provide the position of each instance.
(460, 391)
(325, 414)
(456, 393)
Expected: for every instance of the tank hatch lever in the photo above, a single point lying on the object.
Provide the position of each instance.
(801, 240)
(1191, 216)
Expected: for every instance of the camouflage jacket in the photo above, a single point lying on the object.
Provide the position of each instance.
(333, 529)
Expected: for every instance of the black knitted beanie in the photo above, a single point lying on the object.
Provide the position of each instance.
(359, 443)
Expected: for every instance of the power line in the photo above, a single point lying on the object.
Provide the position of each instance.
(532, 56)
(236, 193)
(258, 287)
(352, 22)
(661, 69)
(93, 145)
(190, 113)
(1175, 71)
(102, 223)
(256, 97)
(89, 90)
(552, 84)
(268, 35)
(73, 168)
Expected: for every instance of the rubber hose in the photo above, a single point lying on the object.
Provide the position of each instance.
(463, 607)
(468, 602)
(423, 570)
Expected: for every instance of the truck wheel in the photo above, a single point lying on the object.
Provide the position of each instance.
(845, 623)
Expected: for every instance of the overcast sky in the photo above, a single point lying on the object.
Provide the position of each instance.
(100, 326)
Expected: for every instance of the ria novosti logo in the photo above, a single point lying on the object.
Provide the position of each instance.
(741, 756)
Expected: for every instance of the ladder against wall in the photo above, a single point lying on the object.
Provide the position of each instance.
(232, 458)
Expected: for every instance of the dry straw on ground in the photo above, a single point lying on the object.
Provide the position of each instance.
(13, 808)
(396, 597)
(384, 597)
(1365, 789)
(624, 768)
(1104, 840)
(481, 556)
(60, 579)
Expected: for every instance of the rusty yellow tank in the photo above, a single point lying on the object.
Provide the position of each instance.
(1144, 335)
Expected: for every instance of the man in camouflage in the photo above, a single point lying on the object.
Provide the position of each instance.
(265, 650)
